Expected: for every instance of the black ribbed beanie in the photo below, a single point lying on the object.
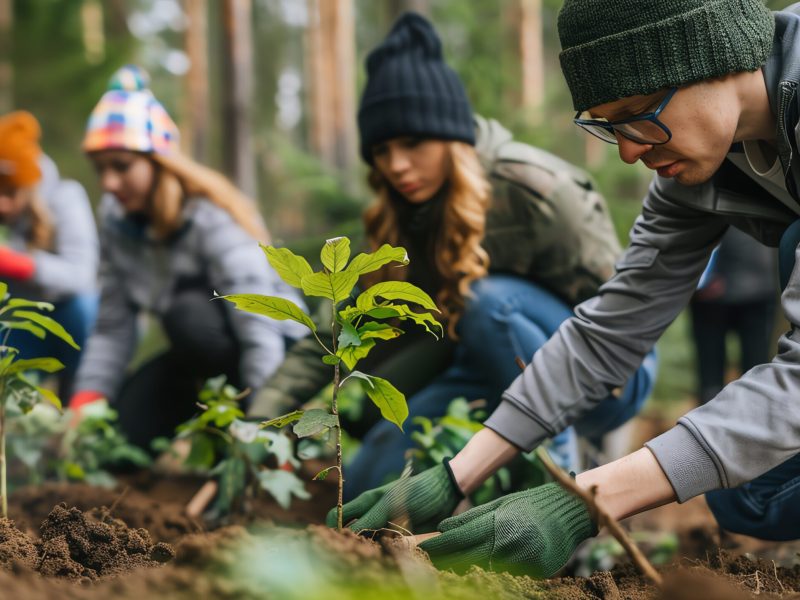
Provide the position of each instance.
(410, 90)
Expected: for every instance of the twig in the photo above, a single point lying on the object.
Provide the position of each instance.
(775, 570)
(600, 517)
(118, 500)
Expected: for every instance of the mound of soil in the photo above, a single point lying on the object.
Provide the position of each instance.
(76, 546)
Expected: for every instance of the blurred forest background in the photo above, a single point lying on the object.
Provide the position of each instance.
(267, 90)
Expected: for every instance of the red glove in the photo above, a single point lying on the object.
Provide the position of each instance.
(84, 397)
(16, 265)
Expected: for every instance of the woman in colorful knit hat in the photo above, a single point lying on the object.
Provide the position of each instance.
(172, 233)
(505, 237)
(49, 247)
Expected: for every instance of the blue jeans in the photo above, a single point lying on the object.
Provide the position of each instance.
(77, 315)
(506, 317)
(768, 507)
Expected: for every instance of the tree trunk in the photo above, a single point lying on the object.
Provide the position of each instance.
(6, 68)
(237, 126)
(531, 52)
(398, 7)
(194, 129)
(93, 31)
(330, 76)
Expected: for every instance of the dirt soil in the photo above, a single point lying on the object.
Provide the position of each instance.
(142, 545)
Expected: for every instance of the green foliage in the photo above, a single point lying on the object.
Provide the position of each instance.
(355, 329)
(237, 453)
(93, 445)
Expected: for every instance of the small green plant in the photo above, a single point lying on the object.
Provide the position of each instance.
(93, 445)
(16, 389)
(49, 447)
(357, 324)
(236, 452)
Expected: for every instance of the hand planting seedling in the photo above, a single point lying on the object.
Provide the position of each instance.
(235, 452)
(17, 392)
(356, 327)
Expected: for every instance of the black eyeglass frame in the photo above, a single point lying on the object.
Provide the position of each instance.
(610, 127)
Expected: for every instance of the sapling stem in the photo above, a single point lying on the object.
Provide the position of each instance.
(338, 427)
(3, 490)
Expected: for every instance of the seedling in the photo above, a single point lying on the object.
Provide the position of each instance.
(234, 452)
(16, 390)
(356, 325)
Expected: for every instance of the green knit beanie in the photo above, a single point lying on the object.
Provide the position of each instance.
(613, 49)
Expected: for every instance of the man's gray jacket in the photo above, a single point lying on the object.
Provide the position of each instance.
(753, 424)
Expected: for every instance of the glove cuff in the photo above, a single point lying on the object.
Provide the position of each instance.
(575, 515)
(449, 470)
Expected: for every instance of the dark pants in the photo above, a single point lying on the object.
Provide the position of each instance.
(752, 322)
(162, 393)
(768, 507)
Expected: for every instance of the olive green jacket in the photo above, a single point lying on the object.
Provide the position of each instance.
(546, 223)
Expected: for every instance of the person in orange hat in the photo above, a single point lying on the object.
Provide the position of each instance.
(48, 241)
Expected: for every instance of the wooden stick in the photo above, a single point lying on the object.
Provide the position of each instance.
(599, 516)
(200, 500)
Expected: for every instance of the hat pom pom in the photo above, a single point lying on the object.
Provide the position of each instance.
(130, 78)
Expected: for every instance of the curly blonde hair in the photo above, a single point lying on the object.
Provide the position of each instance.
(180, 177)
(458, 255)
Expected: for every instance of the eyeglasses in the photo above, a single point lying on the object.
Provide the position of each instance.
(642, 129)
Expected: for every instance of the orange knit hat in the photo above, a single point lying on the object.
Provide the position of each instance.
(19, 149)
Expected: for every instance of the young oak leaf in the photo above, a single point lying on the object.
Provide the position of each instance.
(289, 266)
(335, 254)
(276, 308)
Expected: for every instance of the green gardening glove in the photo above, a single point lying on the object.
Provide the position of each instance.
(527, 533)
(417, 503)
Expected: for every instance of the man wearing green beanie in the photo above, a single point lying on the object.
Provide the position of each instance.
(704, 92)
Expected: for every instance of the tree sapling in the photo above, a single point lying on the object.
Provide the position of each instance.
(15, 388)
(356, 326)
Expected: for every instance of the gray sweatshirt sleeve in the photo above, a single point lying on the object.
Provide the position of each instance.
(113, 340)
(238, 266)
(751, 426)
(71, 268)
(600, 347)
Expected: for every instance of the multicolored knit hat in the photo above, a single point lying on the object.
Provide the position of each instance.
(19, 149)
(128, 117)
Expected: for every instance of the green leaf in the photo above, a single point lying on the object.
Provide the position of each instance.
(283, 420)
(425, 320)
(25, 326)
(314, 421)
(352, 354)
(49, 324)
(348, 336)
(367, 263)
(232, 473)
(322, 475)
(330, 359)
(22, 303)
(333, 286)
(3, 289)
(48, 365)
(389, 400)
(201, 455)
(289, 266)
(380, 331)
(335, 254)
(49, 396)
(401, 290)
(383, 312)
(270, 306)
(282, 485)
